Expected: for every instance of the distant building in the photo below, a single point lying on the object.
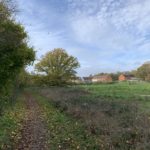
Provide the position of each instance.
(124, 77)
(102, 78)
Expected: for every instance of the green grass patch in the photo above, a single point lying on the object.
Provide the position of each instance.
(122, 91)
(10, 124)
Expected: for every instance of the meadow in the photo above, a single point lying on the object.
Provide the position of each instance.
(112, 116)
(138, 92)
(123, 90)
(116, 115)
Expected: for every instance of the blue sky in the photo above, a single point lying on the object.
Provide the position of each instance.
(105, 35)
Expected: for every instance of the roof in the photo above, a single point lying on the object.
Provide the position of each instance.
(101, 76)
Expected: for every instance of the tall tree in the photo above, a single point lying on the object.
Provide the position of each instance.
(14, 50)
(58, 66)
(143, 71)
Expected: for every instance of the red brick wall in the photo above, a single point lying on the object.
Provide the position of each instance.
(122, 77)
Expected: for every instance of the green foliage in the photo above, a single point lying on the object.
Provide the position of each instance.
(114, 76)
(143, 72)
(5, 97)
(15, 53)
(58, 66)
(38, 80)
(14, 50)
(23, 78)
(5, 10)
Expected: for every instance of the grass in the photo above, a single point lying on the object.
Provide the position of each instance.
(110, 112)
(65, 132)
(134, 92)
(10, 124)
(87, 117)
(124, 90)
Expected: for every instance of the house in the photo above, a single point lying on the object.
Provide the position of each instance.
(102, 78)
(125, 77)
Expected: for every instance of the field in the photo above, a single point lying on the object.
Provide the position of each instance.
(135, 92)
(83, 117)
(117, 114)
(123, 90)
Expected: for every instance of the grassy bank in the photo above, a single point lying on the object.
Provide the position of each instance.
(10, 124)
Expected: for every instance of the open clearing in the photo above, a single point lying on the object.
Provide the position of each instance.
(85, 117)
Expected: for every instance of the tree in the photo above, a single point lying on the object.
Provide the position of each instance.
(58, 66)
(5, 10)
(15, 53)
(114, 76)
(143, 71)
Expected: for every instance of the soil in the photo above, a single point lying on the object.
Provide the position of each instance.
(34, 132)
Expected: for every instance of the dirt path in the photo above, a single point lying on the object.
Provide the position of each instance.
(34, 132)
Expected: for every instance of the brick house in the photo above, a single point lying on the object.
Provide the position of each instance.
(102, 78)
(124, 77)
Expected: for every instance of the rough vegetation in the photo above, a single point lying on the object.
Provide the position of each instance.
(64, 131)
(11, 123)
(112, 116)
(118, 124)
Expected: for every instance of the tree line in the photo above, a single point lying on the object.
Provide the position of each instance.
(15, 53)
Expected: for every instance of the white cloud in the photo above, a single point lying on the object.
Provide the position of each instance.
(105, 35)
(118, 26)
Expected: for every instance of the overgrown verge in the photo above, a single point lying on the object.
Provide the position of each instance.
(118, 125)
(65, 132)
(10, 124)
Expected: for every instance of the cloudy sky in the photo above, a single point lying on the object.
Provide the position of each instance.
(105, 35)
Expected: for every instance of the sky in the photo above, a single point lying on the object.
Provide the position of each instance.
(105, 35)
